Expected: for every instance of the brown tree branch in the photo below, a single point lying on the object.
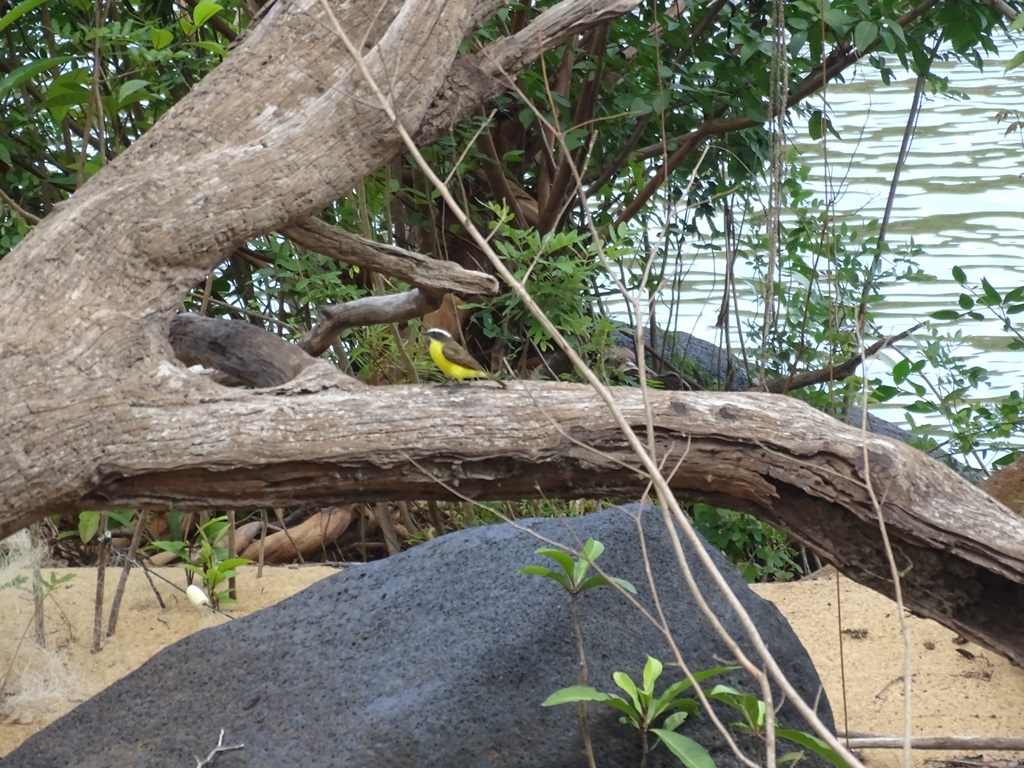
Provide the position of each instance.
(586, 105)
(784, 384)
(474, 78)
(501, 190)
(370, 310)
(420, 271)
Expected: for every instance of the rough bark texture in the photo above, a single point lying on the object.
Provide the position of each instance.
(269, 138)
(97, 411)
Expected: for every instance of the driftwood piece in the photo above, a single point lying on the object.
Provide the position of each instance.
(307, 538)
(958, 743)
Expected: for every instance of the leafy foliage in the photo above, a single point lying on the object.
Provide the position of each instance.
(754, 721)
(761, 553)
(572, 575)
(641, 708)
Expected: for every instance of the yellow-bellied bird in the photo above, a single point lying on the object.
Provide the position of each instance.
(453, 360)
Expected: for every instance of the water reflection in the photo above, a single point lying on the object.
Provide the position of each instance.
(961, 199)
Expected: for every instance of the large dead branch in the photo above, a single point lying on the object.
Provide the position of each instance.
(960, 552)
(369, 310)
(416, 269)
(112, 264)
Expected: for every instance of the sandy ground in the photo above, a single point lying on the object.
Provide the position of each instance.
(957, 689)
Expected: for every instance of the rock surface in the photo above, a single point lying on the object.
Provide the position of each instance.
(436, 657)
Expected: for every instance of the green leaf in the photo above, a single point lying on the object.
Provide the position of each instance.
(563, 559)
(700, 676)
(652, 671)
(625, 585)
(205, 11)
(208, 45)
(815, 125)
(1018, 57)
(900, 371)
(121, 517)
(991, 297)
(673, 721)
(26, 72)
(592, 550)
(579, 570)
(839, 21)
(945, 314)
(965, 301)
(959, 275)
(536, 570)
(748, 704)
(55, 580)
(626, 683)
(67, 96)
(176, 547)
(540, 570)
(813, 743)
(827, 122)
(1017, 294)
(18, 11)
(161, 38)
(896, 29)
(575, 693)
(88, 524)
(864, 35)
(593, 581)
(129, 88)
(689, 752)
(231, 563)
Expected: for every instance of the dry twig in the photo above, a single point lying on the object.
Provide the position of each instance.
(217, 750)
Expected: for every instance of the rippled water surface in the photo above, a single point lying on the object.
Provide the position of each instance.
(961, 198)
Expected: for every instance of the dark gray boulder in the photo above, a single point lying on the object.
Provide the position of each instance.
(439, 656)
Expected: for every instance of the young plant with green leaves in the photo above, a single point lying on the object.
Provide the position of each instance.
(940, 382)
(642, 708)
(206, 559)
(755, 722)
(571, 575)
(89, 523)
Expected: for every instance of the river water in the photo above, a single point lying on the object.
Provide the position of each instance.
(961, 198)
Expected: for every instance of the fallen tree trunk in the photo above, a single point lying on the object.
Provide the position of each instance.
(960, 553)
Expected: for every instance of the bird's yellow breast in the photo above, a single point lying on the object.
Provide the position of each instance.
(453, 370)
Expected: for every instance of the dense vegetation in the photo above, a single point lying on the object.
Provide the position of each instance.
(620, 155)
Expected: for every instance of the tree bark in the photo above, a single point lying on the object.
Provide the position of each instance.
(97, 411)
(269, 138)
